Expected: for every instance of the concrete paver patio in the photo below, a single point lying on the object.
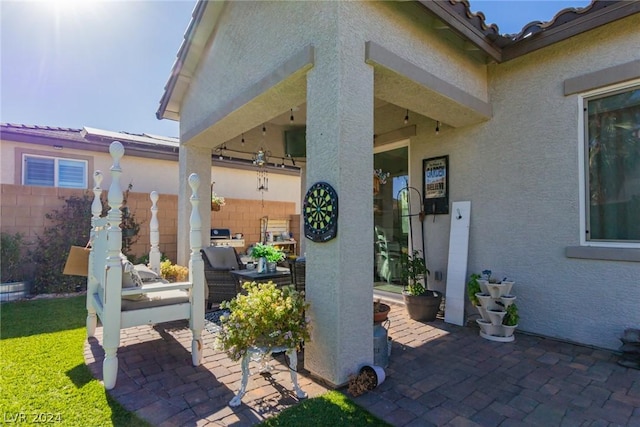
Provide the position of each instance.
(439, 374)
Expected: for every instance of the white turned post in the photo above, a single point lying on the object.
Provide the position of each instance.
(113, 281)
(154, 235)
(196, 272)
(92, 280)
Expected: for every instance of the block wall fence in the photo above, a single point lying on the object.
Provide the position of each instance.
(23, 210)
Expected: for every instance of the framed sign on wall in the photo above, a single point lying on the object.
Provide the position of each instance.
(435, 179)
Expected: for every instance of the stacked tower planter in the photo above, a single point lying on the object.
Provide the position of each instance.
(494, 300)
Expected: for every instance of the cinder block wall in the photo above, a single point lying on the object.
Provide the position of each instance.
(23, 210)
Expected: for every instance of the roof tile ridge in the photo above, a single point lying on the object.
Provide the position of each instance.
(561, 17)
(479, 17)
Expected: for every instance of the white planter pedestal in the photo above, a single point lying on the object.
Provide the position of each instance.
(262, 355)
(491, 327)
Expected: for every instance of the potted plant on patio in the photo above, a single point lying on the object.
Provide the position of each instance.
(380, 311)
(422, 304)
(268, 257)
(265, 317)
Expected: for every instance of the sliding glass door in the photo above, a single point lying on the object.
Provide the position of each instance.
(391, 229)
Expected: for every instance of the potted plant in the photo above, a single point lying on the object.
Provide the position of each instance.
(510, 320)
(266, 317)
(12, 281)
(216, 201)
(422, 304)
(380, 311)
(268, 256)
(368, 378)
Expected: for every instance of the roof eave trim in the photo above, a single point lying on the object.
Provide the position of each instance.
(188, 50)
(462, 27)
(583, 24)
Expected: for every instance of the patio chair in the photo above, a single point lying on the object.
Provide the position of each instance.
(219, 261)
(387, 257)
(298, 269)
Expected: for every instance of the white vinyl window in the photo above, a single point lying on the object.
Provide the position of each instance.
(612, 166)
(54, 172)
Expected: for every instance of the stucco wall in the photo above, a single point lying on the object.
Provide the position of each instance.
(520, 171)
(147, 174)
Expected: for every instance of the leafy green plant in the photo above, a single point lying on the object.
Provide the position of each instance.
(473, 287)
(11, 257)
(271, 253)
(512, 317)
(414, 271)
(267, 316)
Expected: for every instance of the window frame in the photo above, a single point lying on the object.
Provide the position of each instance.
(583, 166)
(56, 169)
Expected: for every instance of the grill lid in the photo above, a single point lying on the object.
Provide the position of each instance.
(220, 233)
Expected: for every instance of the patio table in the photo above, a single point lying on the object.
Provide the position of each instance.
(281, 277)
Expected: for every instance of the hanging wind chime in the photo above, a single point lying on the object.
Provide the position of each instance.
(260, 159)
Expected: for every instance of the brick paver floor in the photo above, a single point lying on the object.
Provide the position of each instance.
(439, 374)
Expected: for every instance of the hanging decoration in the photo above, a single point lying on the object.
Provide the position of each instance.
(216, 201)
(260, 159)
(379, 178)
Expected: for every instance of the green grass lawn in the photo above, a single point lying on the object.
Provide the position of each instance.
(330, 409)
(43, 376)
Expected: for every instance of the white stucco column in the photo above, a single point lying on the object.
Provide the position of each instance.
(193, 159)
(340, 151)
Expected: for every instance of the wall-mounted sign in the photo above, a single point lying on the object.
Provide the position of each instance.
(436, 185)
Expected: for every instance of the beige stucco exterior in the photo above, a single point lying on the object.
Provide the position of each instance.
(521, 172)
(512, 136)
(318, 52)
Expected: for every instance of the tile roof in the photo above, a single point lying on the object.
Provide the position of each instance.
(562, 17)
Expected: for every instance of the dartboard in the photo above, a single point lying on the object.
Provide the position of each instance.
(320, 209)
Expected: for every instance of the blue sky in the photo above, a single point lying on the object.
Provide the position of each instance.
(104, 64)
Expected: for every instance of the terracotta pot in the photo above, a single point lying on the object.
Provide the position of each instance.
(215, 206)
(381, 316)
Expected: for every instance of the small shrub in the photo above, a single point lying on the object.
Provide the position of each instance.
(11, 257)
(173, 272)
(267, 316)
(70, 226)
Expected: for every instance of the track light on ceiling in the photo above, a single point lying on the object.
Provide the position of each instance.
(438, 127)
(242, 140)
(406, 118)
(291, 117)
(264, 130)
